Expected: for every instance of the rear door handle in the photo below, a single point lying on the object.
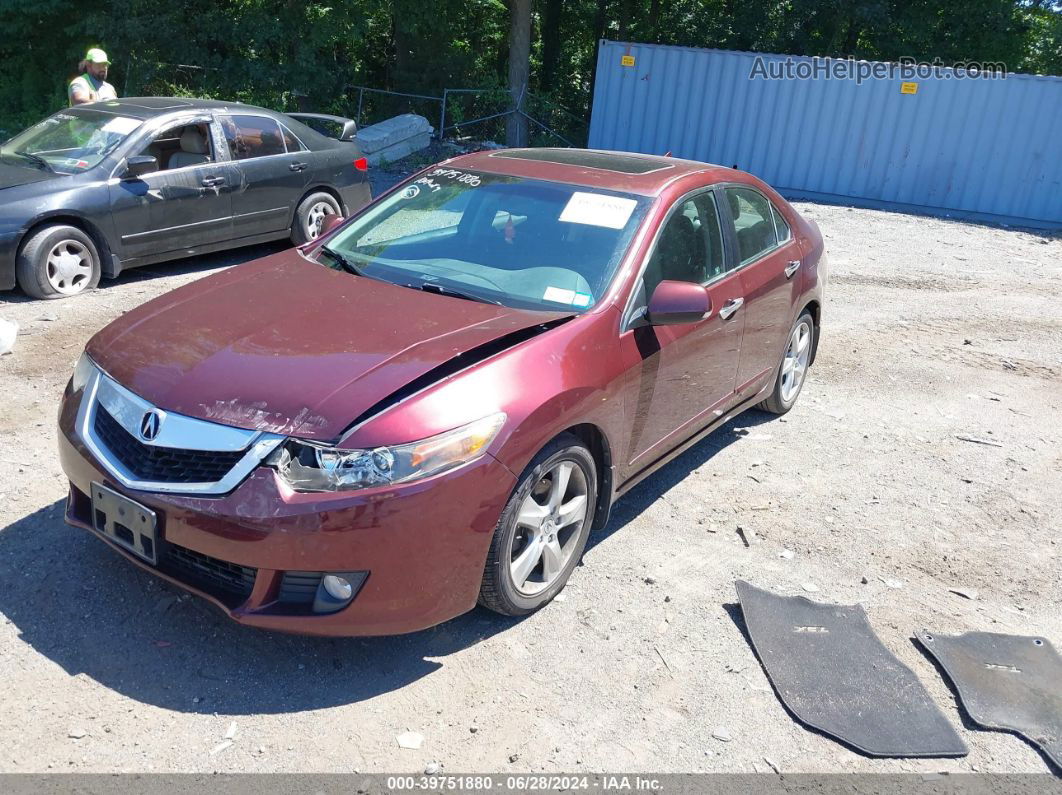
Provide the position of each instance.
(730, 307)
(211, 182)
(297, 166)
(791, 268)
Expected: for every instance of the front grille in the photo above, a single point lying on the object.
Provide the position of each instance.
(299, 587)
(230, 582)
(161, 464)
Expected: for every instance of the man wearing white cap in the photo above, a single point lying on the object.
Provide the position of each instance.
(92, 84)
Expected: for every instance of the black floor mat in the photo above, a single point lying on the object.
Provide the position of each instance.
(1007, 682)
(831, 671)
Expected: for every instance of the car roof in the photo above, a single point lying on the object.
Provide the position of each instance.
(149, 107)
(629, 172)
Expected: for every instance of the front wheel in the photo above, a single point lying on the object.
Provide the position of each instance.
(542, 531)
(58, 261)
(794, 366)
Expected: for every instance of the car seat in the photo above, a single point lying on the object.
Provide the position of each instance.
(194, 149)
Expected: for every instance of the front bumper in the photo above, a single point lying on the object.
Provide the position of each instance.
(423, 544)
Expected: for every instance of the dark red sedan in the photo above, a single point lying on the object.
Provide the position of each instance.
(438, 401)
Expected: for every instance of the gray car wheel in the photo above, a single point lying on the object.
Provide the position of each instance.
(310, 216)
(58, 261)
(542, 531)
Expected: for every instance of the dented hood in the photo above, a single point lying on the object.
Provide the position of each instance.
(288, 346)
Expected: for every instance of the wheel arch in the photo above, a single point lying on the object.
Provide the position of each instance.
(815, 308)
(99, 239)
(322, 188)
(597, 443)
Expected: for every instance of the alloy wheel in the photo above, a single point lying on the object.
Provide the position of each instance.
(69, 267)
(795, 363)
(548, 527)
(315, 218)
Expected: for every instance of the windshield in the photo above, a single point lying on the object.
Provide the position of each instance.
(71, 141)
(519, 242)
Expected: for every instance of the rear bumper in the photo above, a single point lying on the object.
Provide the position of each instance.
(423, 545)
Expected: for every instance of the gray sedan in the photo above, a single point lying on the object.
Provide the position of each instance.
(98, 188)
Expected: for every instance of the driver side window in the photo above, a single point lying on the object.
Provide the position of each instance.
(180, 146)
(690, 247)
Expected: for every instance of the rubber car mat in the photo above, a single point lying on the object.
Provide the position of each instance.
(833, 674)
(1007, 682)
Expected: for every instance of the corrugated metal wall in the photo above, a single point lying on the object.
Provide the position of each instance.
(974, 147)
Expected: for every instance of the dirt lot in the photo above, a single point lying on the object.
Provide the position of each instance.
(934, 330)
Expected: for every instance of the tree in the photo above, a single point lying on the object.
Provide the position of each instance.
(519, 70)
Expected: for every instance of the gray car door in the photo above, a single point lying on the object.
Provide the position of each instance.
(186, 203)
(273, 169)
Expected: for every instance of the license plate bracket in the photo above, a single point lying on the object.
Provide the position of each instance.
(125, 522)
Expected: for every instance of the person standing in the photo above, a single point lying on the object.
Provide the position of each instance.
(91, 85)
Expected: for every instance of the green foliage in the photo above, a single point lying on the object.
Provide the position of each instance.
(306, 54)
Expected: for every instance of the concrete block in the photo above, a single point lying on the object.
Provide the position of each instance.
(377, 137)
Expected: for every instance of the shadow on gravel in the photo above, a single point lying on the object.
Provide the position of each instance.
(82, 606)
(85, 608)
(638, 499)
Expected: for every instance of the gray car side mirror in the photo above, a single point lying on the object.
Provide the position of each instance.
(138, 165)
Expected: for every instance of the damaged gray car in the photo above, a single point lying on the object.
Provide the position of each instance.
(98, 188)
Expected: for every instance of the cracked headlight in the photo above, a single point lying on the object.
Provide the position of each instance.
(307, 466)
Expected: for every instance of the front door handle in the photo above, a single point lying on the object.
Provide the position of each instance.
(791, 268)
(730, 307)
(297, 166)
(211, 182)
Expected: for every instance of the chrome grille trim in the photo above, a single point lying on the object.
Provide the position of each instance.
(177, 431)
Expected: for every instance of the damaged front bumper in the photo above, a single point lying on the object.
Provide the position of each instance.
(259, 551)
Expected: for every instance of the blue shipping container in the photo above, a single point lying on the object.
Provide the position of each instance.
(988, 149)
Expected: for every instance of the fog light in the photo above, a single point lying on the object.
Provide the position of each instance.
(338, 587)
(337, 590)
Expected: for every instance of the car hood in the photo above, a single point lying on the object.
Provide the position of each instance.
(289, 346)
(13, 174)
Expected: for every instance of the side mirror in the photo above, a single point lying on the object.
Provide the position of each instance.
(329, 223)
(675, 303)
(139, 165)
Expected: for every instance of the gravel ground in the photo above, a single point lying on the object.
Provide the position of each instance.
(934, 330)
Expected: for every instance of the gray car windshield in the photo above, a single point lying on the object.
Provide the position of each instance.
(71, 141)
(518, 242)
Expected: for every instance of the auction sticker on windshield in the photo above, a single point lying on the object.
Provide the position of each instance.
(597, 209)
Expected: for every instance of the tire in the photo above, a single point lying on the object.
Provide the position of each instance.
(563, 544)
(58, 261)
(785, 392)
(310, 213)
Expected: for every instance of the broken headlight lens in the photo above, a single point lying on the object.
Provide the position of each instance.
(306, 466)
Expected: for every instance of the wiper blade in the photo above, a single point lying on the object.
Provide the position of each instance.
(348, 264)
(40, 161)
(438, 289)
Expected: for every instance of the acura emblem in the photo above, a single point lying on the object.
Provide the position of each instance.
(149, 425)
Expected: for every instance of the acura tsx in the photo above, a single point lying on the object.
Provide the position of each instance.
(436, 402)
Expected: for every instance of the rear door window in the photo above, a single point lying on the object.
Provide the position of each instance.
(754, 223)
(252, 136)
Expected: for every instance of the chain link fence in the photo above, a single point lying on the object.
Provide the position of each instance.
(461, 114)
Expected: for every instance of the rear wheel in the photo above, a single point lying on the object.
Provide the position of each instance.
(794, 366)
(310, 215)
(542, 531)
(58, 261)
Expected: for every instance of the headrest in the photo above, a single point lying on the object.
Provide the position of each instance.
(194, 142)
